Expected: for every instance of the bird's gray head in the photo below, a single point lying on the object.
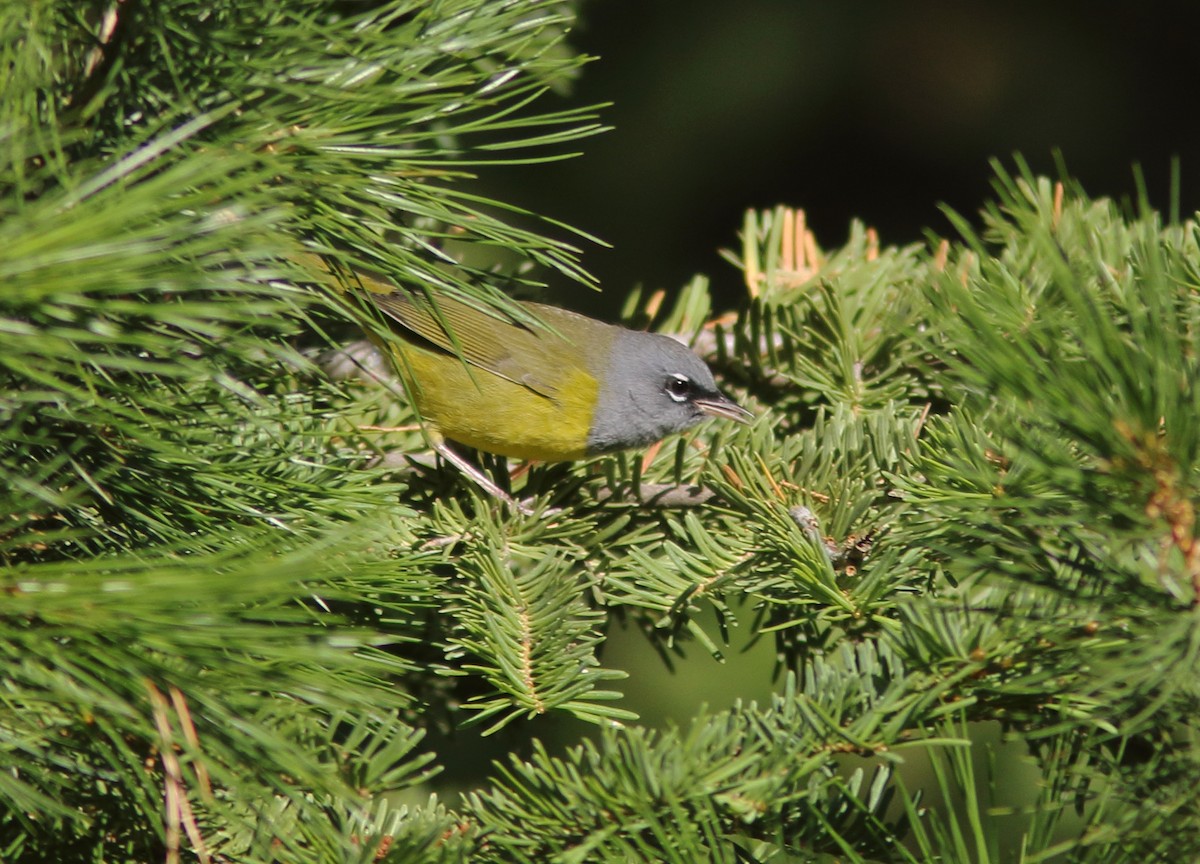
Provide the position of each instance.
(653, 386)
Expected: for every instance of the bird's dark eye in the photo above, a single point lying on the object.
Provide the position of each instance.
(679, 387)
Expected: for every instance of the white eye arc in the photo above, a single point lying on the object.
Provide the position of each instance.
(678, 387)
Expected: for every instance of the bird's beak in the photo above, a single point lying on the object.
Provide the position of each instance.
(719, 406)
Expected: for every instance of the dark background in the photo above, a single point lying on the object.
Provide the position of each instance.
(877, 111)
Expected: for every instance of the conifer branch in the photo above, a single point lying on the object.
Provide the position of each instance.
(232, 631)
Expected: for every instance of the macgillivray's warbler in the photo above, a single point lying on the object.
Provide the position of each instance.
(566, 387)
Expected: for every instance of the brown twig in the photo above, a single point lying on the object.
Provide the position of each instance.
(178, 809)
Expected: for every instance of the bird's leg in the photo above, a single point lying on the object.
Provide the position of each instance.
(482, 480)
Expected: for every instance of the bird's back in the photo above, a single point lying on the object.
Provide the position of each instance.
(524, 391)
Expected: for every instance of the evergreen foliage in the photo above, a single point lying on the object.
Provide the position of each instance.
(966, 509)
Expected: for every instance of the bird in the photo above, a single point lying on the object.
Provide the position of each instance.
(551, 386)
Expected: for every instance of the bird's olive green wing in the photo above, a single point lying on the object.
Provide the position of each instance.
(537, 359)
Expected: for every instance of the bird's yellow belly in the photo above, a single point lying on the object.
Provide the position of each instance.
(474, 407)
